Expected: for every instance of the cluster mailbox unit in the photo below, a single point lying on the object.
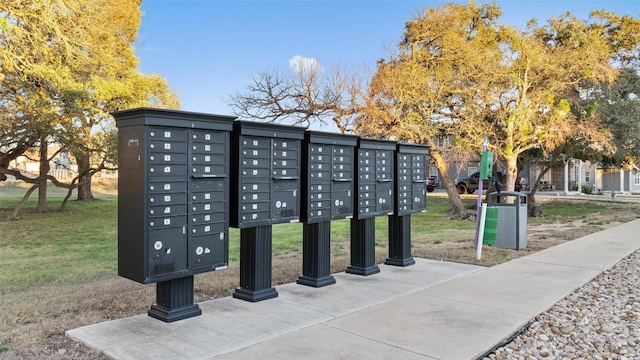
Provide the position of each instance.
(173, 202)
(185, 178)
(328, 194)
(375, 179)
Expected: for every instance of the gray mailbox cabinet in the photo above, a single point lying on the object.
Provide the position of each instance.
(328, 177)
(173, 193)
(375, 178)
(511, 227)
(266, 174)
(411, 184)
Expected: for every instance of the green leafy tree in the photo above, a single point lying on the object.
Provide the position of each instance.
(431, 88)
(65, 64)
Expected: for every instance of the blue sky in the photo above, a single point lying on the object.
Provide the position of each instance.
(210, 49)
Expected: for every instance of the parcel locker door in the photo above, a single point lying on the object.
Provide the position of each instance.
(384, 195)
(285, 202)
(208, 252)
(166, 252)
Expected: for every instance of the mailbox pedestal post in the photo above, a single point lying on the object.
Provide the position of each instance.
(255, 265)
(174, 300)
(316, 255)
(363, 247)
(400, 241)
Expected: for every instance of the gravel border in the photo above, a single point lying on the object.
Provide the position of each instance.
(600, 320)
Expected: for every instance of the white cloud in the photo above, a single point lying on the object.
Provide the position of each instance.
(303, 64)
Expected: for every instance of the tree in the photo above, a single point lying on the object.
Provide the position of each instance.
(65, 64)
(430, 89)
(304, 95)
(619, 105)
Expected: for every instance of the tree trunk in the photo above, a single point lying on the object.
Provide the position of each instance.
(16, 211)
(84, 183)
(512, 172)
(533, 209)
(459, 211)
(42, 177)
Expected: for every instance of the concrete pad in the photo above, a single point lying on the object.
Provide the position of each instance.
(580, 256)
(229, 324)
(500, 293)
(538, 274)
(322, 342)
(225, 325)
(433, 327)
(366, 291)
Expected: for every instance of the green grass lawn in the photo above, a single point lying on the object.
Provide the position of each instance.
(80, 244)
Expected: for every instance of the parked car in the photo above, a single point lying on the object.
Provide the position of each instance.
(469, 184)
(431, 184)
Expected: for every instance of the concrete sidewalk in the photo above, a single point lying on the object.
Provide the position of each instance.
(431, 310)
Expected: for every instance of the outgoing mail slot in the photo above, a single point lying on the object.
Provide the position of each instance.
(291, 185)
(208, 185)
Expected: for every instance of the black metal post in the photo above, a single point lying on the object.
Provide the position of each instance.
(174, 300)
(363, 247)
(255, 265)
(316, 255)
(400, 241)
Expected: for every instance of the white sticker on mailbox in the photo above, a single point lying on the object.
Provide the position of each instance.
(167, 198)
(167, 134)
(207, 148)
(167, 221)
(167, 169)
(167, 158)
(167, 146)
